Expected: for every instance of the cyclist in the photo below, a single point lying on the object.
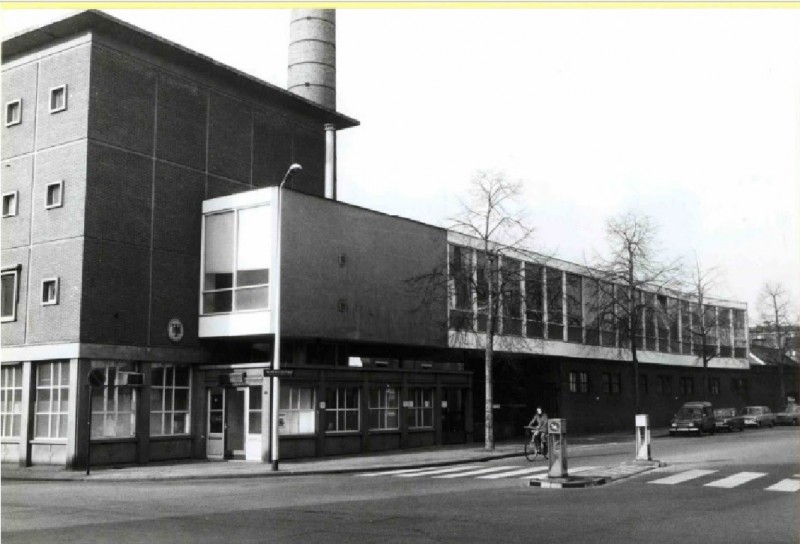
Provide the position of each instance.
(538, 426)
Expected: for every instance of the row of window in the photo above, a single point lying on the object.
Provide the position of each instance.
(57, 103)
(113, 406)
(611, 384)
(54, 198)
(9, 293)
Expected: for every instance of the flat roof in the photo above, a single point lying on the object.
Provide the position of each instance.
(104, 24)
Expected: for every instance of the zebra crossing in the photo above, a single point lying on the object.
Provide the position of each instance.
(478, 472)
(730, 481)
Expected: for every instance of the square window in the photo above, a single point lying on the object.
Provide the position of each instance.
(14, 112)
(10, 204)
(54, 197)
(10, 287)
(58, 99)
(50, 291)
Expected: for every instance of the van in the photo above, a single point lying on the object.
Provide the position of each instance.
(693, 417)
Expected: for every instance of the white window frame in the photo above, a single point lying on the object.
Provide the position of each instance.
(110, 410)
(10, 401)
(418, 397)
(58, 393)
(168, 390)
(14, 120)
(54, 300)
(290, 409)
(14, 198)
(52, 94)
(60, 202)
(341, 406)
(384, 407)
(15, 273)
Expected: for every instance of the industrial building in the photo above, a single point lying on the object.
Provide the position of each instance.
(140, 275)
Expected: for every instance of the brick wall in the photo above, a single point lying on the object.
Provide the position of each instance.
(61, 259)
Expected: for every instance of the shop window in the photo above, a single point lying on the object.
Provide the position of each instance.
(10, 288)
(686, 386)
(612, 383)
(713, 386)
(54, 196)
(384, 408)
(58, 99)
(14, 112)
(170, 399)
(420, 408)
(52, 400)
(114, 404)
(10, 203)
(342, 409)
(50, 291)
(297, 414)
(10, 401)
(664, 385)
(578, 382)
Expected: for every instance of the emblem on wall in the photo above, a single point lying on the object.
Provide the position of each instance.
(175, 330)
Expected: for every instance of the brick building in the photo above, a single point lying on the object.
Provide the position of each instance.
(138, 235)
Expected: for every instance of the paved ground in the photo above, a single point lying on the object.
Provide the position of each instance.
(446, 455)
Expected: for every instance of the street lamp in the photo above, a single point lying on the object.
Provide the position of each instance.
(276, 348)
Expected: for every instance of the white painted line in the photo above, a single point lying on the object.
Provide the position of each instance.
(518, 472)
(682, 477)
(391, 472)
(736, 480)
(788, 485)
(474, 472)
(431, 472)
(577, 470)
(581, 469)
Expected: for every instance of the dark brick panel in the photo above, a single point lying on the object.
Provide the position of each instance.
(176, 281)
(123, 100)
(179, 194)
(70, 67)
(17, 175)
(230, 138)
(67, 164)
(223, 187)
(309, 152)
(118, 196)
(19, 83)
(272, 154)
(59, 322)
(182, 111)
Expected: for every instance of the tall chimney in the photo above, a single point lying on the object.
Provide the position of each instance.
(312, 72)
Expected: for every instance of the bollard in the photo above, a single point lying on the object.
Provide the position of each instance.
(643, 437)
(557, 447)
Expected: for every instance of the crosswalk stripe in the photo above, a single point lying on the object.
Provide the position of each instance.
(788, 484)
(389, 472)
(737, 479)
(571, 472)
(435, 471)
(473, 472)
(683, 477)
(518, 472)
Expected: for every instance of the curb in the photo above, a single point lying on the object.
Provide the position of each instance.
(567, 483)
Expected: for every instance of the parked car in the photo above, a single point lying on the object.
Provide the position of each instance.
(758, 416)
(693, 417)
(728, 419)
(790, 416)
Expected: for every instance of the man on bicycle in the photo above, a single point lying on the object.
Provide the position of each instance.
(538, 426)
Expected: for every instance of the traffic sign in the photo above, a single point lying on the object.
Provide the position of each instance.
(278, 373)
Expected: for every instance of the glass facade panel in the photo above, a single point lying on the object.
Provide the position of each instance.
(10, 401)
(297, 410)
(52, 399)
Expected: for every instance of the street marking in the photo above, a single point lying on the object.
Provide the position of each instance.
(788, 485)
(517, 472)
(581, 469)
(474, 472)
(389, 472)
(682, 477)
(577, 470)
(736, 480)
(435, 471)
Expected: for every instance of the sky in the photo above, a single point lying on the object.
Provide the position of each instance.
(691, 117)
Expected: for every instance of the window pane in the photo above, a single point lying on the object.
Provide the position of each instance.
(252, 277)
(180, 424)
(218, 247)
(285, 396)
(157, 376)
(181, 399)
(306, 398)
(351, 420)
(155, 424)
(63, 405)
(256, 398)
(221, 301)
(254, 422)
(253, 247)
(43, 400)
(8, 294)
(182, 376)
(252, 299)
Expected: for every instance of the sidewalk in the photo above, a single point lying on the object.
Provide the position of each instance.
(405, 459)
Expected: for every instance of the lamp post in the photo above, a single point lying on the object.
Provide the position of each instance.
(276, 348)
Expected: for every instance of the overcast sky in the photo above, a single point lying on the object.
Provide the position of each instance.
(689, 116)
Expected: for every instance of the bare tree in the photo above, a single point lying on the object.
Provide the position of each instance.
(705, 321)
(775, 308)
(627, 280)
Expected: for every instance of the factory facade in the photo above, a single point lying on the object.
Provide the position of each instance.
(141, 213)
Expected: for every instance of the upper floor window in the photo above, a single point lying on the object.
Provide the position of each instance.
(10, 288)
(10, 204)
(55, 194)
(14, 112)
(50, 291)
(58, 99)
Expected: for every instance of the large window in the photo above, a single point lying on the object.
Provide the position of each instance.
(10, 288)
(578, 382)
(384, 408)
(170, 397)
(420, 407)
(52, 400)
(342, 409)
(555, 304)
(297, 410)
(534, 301)
(236, 261)
(612, 383)
(461, 284)
(686, 385)
(574, 308)
(664, 385)
(739, 334)
(114, 404)
(511, 278)
(10, 401)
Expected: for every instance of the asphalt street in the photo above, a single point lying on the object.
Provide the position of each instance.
(736, 488)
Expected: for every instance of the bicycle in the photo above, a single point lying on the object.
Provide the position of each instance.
(535, 445)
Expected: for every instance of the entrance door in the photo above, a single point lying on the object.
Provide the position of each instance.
(453, 416)
(215, 441)
(235, 422)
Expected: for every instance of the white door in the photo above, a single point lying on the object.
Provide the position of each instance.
(215, 435)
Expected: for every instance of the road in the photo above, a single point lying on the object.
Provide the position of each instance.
(738, 488)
